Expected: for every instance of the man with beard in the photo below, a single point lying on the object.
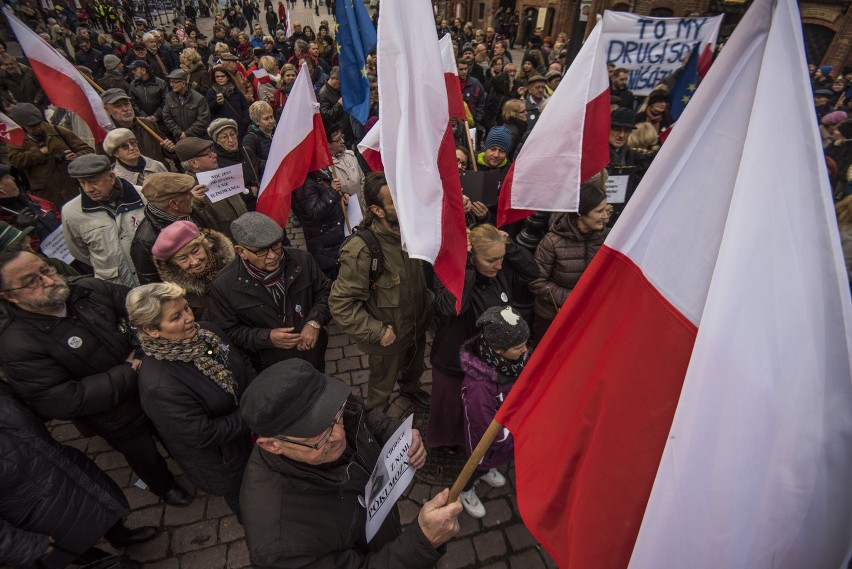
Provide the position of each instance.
(389, 317)
(65, 349)
(120, 109)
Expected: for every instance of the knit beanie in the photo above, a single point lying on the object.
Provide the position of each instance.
(499, 136)
(111, 62)
(502, 327)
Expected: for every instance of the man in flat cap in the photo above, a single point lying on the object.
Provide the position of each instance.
(119, 106)
(171, 198)
(45, 155)
(147, 91)
(302, 498)
(99, 224)
(535, 98)
(197, 155)
(186, 112)
(272, 300)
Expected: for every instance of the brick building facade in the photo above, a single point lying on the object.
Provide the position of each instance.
(827, 24)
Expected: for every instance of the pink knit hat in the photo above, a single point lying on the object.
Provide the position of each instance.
(172, 238)
(834, 117)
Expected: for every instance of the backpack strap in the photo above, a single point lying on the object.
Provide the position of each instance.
(377, 258)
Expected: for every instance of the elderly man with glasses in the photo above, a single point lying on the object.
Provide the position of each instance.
(302, 495)
(272, 300)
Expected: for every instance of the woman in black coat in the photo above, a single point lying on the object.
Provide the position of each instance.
(190, 387)
(226, 101)
(496, 269)
(318, 204)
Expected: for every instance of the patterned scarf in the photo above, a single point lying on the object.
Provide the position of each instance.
(273, 281)
(507, 371)
(205, 350)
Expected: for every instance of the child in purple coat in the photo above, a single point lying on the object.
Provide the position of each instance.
(492, 362)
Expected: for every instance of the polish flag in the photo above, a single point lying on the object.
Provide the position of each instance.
(690, 405)
(62, 83)
(416, 139)
(569, 144)
(371, 150)
(451, 77)
(299, 146)
(10, 131)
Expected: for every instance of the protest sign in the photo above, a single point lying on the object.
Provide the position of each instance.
(54, 246)
(651, 49)
(391, 476)
(354, 215)
(616, 188)
(223, 182)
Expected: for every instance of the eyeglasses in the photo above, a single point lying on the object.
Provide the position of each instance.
(338, 419)
(461, 162)
(130, 144)
(36, 281)
(277, 248)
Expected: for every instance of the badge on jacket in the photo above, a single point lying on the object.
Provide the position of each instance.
(75, 342)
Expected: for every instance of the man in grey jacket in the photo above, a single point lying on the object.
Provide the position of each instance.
(186, 112)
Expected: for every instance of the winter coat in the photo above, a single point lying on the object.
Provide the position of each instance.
(235, 107)
(248, 313)
(199, 78)
(257, 145)
(330, 109)
(93, 59)
(151, 167)
(149, 96)
(240, 156)
(318, 206)
(74, 367)
(197, 290)
(48, 173)
(186, 114)
(145, 237)
(482, 395)
(49, 490)
(114, 80)
(24, 87)
(100, 235)
(562, 256)
(200, 423)
(480, 294)
(298, 515)
(46, 212)
(400, 297)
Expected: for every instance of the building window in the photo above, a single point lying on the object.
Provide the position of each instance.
(481, 11)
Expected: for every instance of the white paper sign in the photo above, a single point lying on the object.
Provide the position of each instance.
(473, 139)
(651, 49)
(616, 188)
(54, 246)
(222, 183)
(354, 214)
(391, 476)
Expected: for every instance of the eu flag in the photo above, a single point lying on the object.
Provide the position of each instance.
(356, 37)
(686, 84)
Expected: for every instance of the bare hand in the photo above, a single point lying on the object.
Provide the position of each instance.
(335, 184)
(198, 192)
(308, 338)
(44, 150)
(131, 359)
(388, 337)
(439, 520)
(153, 118)
(168, 145)
(69, 155)
(345, 198)
(220, 98)
(480, 210)
(466, 205)
(284, 338)
(417, 452)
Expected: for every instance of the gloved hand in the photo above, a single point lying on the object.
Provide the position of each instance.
(26, 218)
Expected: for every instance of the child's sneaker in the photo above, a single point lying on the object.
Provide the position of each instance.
(493, 478)
(472, 504)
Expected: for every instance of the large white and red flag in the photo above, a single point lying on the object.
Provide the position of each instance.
(569, 144)
(455, 100)
(63, 84)
(371, 149)
(416, 138)
(690, 405)
(10, 131)
(299, 146)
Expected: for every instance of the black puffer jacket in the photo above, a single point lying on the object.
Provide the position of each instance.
(74, 367)
(480, 294)
(48, 490)
(318, 207)
(297, 515)
(200, 422)
(257, 145)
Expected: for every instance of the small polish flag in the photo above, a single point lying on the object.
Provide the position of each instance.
(10, 131)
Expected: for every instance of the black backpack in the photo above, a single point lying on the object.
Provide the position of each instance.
(377, 258)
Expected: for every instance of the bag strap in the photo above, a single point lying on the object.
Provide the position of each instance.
(377, 258)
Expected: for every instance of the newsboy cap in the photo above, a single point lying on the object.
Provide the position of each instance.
(177, 75)
(88, 165)
(116, 138)
(292, 398)
(190, 147)
(27, 114)
(254, 229)
(113, 95)
(163, 186)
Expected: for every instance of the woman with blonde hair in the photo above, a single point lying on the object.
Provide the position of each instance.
(514, 117)
(199, 78)
(285, 83)
(258, 141)
(264, 86)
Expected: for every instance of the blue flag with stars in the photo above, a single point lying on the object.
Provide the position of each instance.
(356, 37)
(686, 84)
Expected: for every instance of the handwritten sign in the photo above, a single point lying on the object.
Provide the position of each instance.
(222, 183)
(54, 246)
(651, 49)
(391, 476)
(616, 188)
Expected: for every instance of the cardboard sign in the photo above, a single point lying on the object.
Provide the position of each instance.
(222, 183)
(482, 186)
(391, 476)
(54, 246)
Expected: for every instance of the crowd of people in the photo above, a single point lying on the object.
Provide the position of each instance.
(196, 323)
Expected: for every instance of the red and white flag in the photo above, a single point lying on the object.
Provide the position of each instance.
(62, 83)
(451, 77)
(569, 144)
(371, 150)
(299, 146)
(690, 405)
(417, 146)
(10, 131)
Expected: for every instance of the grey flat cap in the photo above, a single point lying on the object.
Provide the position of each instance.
(254, 229)
(27, 114)
(88, 165)
(178, 75)
(113, 95)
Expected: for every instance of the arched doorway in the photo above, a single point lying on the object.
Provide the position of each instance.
(817, 40)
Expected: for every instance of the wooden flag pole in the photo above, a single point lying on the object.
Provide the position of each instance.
(470, 145)
(100, 89)
(475, 458)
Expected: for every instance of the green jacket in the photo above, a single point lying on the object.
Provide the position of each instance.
(400, 297)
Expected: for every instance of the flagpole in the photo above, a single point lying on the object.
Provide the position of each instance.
(100, 89)
(470, 145)
(475, 458)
